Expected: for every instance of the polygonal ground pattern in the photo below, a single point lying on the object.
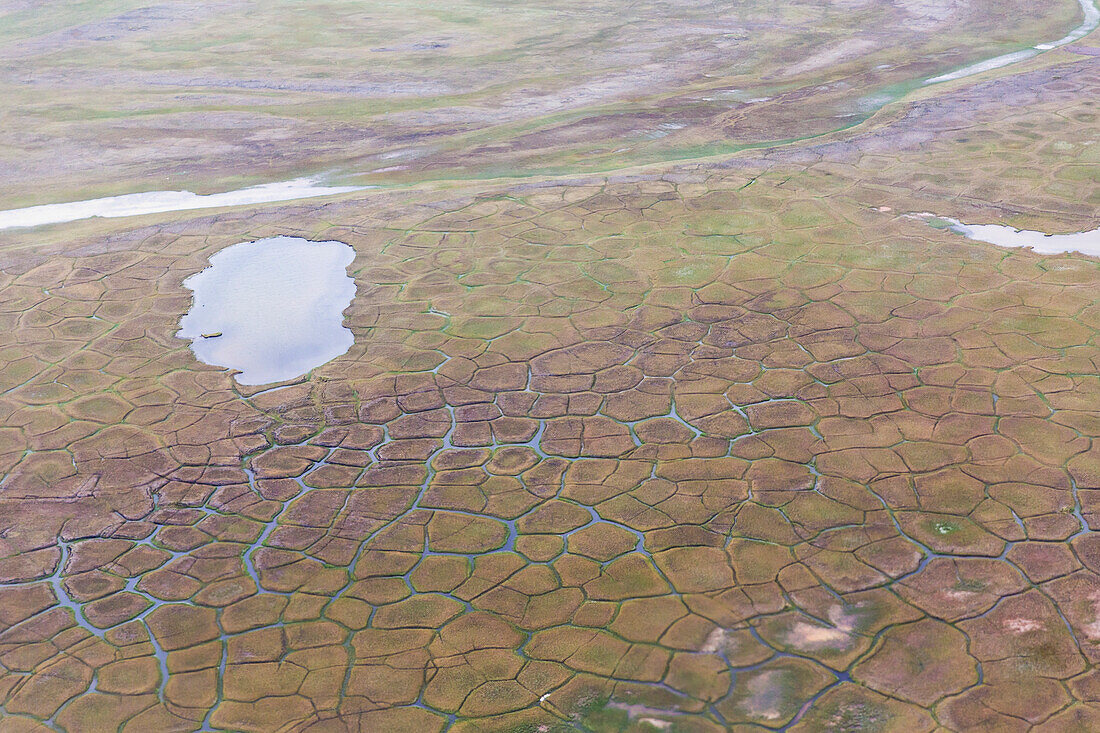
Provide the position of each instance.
(702, 451)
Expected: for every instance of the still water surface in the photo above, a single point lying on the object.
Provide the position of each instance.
(271, 309)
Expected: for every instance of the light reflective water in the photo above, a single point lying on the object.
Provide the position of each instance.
(156, 202)
(1087, 243)
(272, 309)
(1088, 25)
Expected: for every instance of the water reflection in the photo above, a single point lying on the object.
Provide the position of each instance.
(272, 309)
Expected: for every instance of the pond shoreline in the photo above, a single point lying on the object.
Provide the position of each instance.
(272, 309)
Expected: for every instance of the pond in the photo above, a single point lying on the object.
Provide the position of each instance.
(271, 309)
(1087, 243)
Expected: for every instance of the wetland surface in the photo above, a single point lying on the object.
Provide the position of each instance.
(720, 444)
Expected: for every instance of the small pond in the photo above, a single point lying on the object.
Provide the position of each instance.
(271, 309)
(1087, 243)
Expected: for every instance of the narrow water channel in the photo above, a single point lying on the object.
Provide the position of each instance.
(158, 202)
(1088, 25)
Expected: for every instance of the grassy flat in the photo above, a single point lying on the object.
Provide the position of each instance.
(719, 438)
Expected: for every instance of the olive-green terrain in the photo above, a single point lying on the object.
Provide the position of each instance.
(704, 434)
